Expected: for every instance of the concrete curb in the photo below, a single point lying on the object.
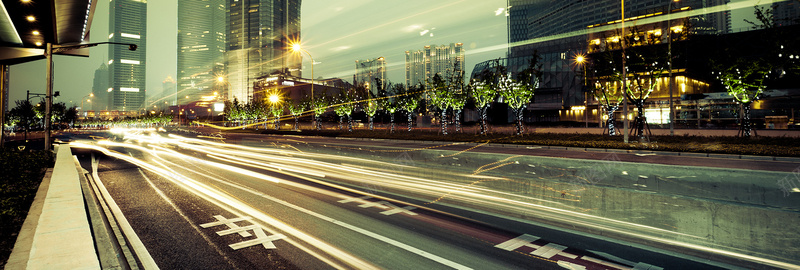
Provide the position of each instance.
(22, 247)
(60, 237)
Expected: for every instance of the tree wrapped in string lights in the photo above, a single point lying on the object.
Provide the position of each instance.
(518, 93)
(439, 96)
(646, 68)
(484, 91)
(408, 102)
(319, 105)
(744, 81)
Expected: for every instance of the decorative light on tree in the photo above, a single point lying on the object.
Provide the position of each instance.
(744, 81)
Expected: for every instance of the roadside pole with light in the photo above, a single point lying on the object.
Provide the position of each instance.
(669, 54)
(582, 61)
(85, 98)
(48, 53)
(296, 48)
(624, 79)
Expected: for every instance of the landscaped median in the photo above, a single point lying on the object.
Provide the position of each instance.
(21, 172)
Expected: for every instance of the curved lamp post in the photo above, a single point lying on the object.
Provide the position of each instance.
(296, 48)
(48, 53)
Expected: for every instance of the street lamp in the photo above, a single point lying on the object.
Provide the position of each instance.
(88, 100)
(624, 79)
(669, 54)
(48, 53)
(296, 48)
(581, 60)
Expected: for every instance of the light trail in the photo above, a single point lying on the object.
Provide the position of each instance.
(412, 181)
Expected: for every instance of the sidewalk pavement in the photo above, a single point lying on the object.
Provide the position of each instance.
(56, 234)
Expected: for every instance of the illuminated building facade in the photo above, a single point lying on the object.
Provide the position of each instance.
(371, 74)
(445, 60)
(786, 12)
(560, 30)
(201, 49)
(127, 24)
(259, 35)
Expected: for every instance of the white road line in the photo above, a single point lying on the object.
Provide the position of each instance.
(180, 213)
(136, 243)
(363, 231)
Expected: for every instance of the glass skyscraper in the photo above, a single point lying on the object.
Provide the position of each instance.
(127, 24)
(259, 38)
(422, 65)
(368, 72)
(201, 49)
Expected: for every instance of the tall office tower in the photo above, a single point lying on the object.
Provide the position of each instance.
(259, 38)
(127, 23)
(787, 12)
(100, 89)
(201, 49)
(445, 60)
(371, 73)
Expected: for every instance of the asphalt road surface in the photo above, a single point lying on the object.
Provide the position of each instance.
(262, 203)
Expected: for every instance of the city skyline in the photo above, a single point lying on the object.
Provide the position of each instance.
(333, 51)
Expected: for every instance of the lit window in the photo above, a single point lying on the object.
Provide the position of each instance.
(130, 35)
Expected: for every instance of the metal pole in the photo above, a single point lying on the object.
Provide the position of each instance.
(669, 80)
(586, 99)
(3, 90)
(624, 79)
(48, 95)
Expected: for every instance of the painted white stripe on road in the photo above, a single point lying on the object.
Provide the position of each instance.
(549, 250)
(228, 222)
(136, 243)
(376, 236)
(522, 240)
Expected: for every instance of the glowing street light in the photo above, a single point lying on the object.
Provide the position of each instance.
(581, 60)
(296, 48)
(87, 100)
(274, 98)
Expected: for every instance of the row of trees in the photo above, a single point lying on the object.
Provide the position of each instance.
(27, 116)
(446, 95)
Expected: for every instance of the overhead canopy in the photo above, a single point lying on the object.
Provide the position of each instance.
(26, 26)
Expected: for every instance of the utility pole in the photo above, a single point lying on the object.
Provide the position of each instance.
(669, 81)
(624, 78)
(48, 95)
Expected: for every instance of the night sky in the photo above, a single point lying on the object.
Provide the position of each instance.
(335, 33)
